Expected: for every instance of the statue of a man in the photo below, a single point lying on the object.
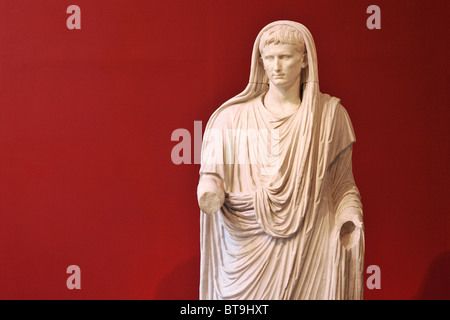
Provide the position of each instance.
(281, 215)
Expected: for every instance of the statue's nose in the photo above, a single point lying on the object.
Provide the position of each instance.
(277, 65)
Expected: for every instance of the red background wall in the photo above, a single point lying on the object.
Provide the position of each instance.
(86, 118)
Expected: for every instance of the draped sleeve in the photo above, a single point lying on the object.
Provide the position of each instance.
(340, 135)
(346, 204)
(214, 149)
(344, 192)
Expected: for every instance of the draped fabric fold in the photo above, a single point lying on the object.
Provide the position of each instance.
(286, 181)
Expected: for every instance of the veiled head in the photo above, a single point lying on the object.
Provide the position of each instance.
(283, 55)
(258, 80)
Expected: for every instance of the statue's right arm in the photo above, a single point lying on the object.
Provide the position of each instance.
(210, 193)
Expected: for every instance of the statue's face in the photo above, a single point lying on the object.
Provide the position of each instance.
(283, 64)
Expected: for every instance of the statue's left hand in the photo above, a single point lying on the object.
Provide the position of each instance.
(349, 225)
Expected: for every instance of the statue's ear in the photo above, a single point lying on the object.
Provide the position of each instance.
(261, 62)
(305, 61)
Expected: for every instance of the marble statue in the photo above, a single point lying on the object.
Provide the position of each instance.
(281, 216)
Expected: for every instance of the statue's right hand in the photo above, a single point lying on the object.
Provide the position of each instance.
(210, 194)
(210, 202)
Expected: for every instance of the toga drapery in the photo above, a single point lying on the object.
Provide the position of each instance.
(287, 181)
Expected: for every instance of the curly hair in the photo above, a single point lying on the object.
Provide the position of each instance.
(283, 34)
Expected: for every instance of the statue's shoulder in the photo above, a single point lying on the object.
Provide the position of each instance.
(332, 107)
(227, 114)
(329, 103)
(335, 118)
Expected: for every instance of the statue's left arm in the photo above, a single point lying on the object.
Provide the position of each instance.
(345, 195)
(346, 200)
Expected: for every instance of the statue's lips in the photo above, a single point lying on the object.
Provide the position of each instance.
(278, 76)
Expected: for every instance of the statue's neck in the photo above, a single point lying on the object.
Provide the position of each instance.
(281, 100)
